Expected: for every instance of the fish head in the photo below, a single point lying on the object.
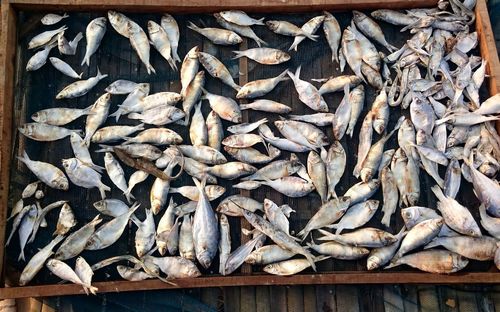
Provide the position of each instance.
(272, 268)
(167, 18)
(243, 93)
(282, 56)
(373, 204)
(280, 124)
(204, 259)
(344, 202)
(133, 28)
(38, 117)
(194, 52)
(52, 263)
(101, 22)
(153, 27)
(219, 18)
(372, 262)
(234, 38)
(358, 16)
(269, 206)
(70, 163)
(412, 198)
(156, 206)
(108, 157)
(459, 262)
(272, 25)
(366, 174)
(473, 229)
(143, 88)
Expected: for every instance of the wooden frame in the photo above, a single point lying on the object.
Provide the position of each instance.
(7, 54)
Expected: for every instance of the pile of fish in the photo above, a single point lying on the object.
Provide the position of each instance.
(434, 75)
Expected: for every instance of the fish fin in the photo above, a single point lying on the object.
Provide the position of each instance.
(238, 54)
(438, 192)
(311, 259)
(117, 114)
(100, 75)
(193, 26)
(134, 116)
(312, 37)
(282, 76)
(77, 38)
(392, 264)
(175, 56)
(85, 60)
(80, 76)
(260, 21)
(21, 256)
(102, 189)
(150, 69)
(259, 41)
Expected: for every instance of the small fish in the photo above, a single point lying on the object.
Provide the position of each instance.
(64, 271)
(59, 116)
(370, 28)
(161, 42)
(316, 169)
(288, 29)
(159, 116)
(356, 216)
(244, 31)
(186, 244)
(244, 128)
(94, 33)
(40, 58)
(145, 235)
(51, 18)
(189, 68)
(335, 167)
(68, 48)
(224, 243)
(84, 176)
(333, 33)
(204, 154)
(121, 86)
(44, 132)
(156, 136)
(191, 192)
(64, 68)
(318, 119)
(339, 251)
(235, 204)
(169, 24)
(364, 237)
(225, 107)
(160, 188)
(490, 224)
(310, 27)
(433, 261)
(362, 191)
(65, 221)
(217, 35)
(267, 106)
(215, 131)
(192, 94)
(45, 37)
(476, 248)
(240, 18)
(308, 94)
(268, 254)
(291, 267)
(379, 257)
(120, 23)
(28, 191)
(84, 272)
(47, 173)
(111, 207)
(140, 43)
(116, 174)
(231, 170)
(198, 132)
(75, 243)
(25, 229)
(421, 234)
(266, 56)
(328, 213)
(260, 87)
(80, 87)
(37, 261)
(390, 195)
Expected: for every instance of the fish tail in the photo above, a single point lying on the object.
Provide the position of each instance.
(21, 256)
(393, 264)
(235, 86)
(433, 243)
(24, 158)
(303, 234)
(193, 26)
(438, 192)
(311, 36)
(93, 289)
(129, 196)
(103, 188)
(386, 220)
(96, 167)
(100, 75)
(238, 54)
(311, 260)
(260, 21)
(65, 15)
(86, 60)
(117, 114)
(175, 56)
(283, 77)
(259, 41)
(150, 69)
(78, 131)
(338, 230)
(172, 64)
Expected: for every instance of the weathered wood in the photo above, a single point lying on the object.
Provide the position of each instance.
(392, 298)
(309, 299)
(231, 299)
(7, 52)
(487, 46)
(248, 299)
(278, 299)
(467, 300)
(295, 299)
(262, 299)
(200, 6)
(428, 298)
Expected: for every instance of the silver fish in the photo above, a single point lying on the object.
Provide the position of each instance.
(94, 33)
(356, 216)
(80, 87)
(328, 213)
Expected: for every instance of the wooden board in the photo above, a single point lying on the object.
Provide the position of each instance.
(344, 271)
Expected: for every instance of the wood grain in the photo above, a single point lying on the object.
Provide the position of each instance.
(7, 52)
(202, 6)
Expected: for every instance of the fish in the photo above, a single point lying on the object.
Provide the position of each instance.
(186, 244)
(339, 251)
(59, 116)
(266, 56)
(419, 235)
(276, 216)
(84, 272)
(231, 170)
(260, 87)
(316, 169)
(205, 230)
(310, 27)
(111, 207)
(279, 237)
(131, 274)
(455, 215)
(333, 33)
(225, 107)
(27, 218)
(288, 29)
(203, 154)
(45, 37)
(98, 115)
(215, 131)
(110, 232)
(240, 18)
(356, 216)
(452, 179)
(160, 189)
(84, 176)
(379, 257)
(244, 128)
(68, 48)
(235, 204)
(159, 116)
(116, 174)
(120, 23)
(365, 142)
(64, 271)
(28, 191)
(390, 195)
(486, 190)
(175, 267)
(189, 68)
(394, 17)
(224, 243)
(161, 42)
(217, 35)
(94, 33)
(47, 173)
(64, 68)
(362, 191)
(140, 43)
(302, 133)
(290, 186)
(244, 31)
(371, 29)
(75, 243)
(267, 106)
(37, 261)
(275, 170)
(80, 87)
(192, 94)
(364, 237)
(145, 234)
(51, 18)
(334, 84)
(490, 224)
(156, 136)
(342, 117)
(135, 178)
(268, 254)
(121, 86)
(328, 213)
(198, 132)
(169, 24)
(433, 261)
(238, 256)
(65, 221)
(191, 192)
(475, 248)
(351, 50)
(242, 140)
(44, 132)
(318, 119)
(335, 163)
(133, 98)
(291, 267)
(167, 230)
(380, 110)
(308, 94)
(40, 58)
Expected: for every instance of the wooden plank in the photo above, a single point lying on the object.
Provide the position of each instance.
(231, 299)
(467, 300)
(392, 298)
(428, 298)
(347, 296)
(325, 298)
(200, 6)
(210, 296)
(278, 299)
(262, 299)
(248, 299)
(7, 53)
(309, 299)
(350, 277)
(410, 298)
(487, 46)
(295, 299)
